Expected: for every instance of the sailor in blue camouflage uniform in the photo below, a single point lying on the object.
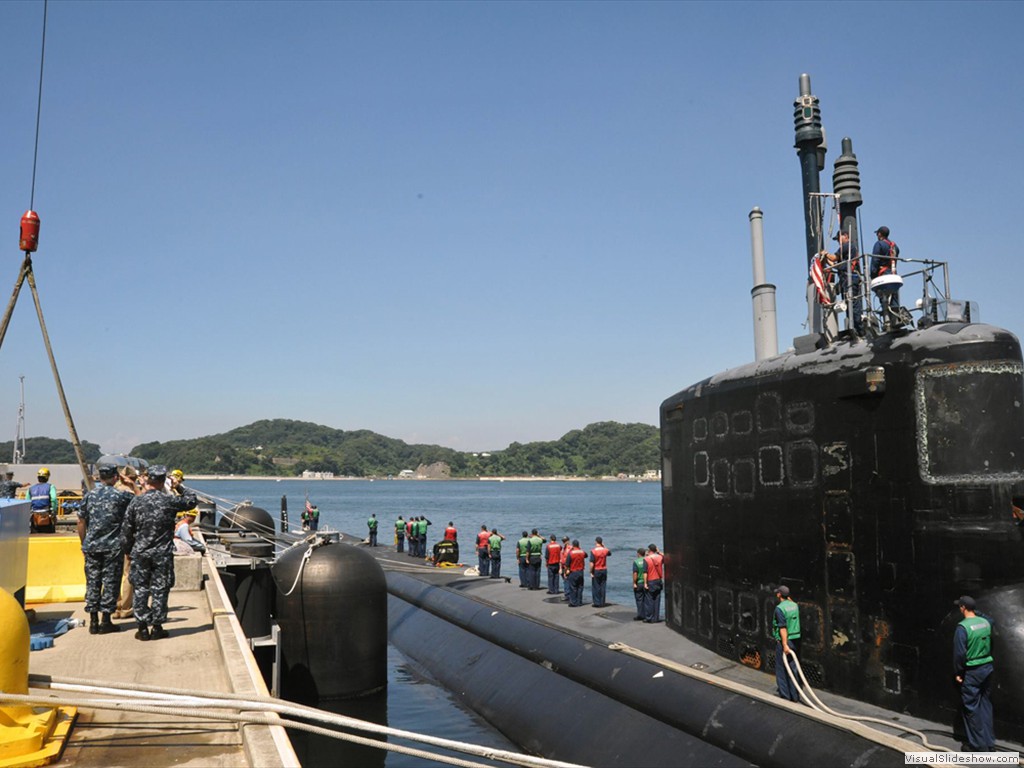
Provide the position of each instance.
(147, 537)
(100, 517)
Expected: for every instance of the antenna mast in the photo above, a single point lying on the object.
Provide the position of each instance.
(19, 434)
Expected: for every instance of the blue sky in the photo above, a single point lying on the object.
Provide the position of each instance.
(465, 223)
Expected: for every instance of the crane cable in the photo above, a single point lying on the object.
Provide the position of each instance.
(39, 109)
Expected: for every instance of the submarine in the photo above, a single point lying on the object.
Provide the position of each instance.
(875, 473)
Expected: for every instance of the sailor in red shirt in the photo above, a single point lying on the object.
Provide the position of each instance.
(483, 551)
(553, 558)
(565, 566)
(599, 573)
(576, 560)
(450, 534)
(654, 576)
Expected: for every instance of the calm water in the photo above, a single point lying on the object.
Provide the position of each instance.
(412, 702)
(626, 515)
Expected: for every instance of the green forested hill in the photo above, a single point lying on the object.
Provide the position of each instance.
(48, 450)
(284, 447)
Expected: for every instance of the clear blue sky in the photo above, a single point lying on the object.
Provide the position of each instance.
(465, 223)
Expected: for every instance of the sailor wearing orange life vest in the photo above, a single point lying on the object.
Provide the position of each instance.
(553, 558)
(566, 586)
(654, 582)
(410, 535)
(575, 562)
(599, 573)
(483, 553)
(450, 534)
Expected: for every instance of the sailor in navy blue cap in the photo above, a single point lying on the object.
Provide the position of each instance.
(147, 538)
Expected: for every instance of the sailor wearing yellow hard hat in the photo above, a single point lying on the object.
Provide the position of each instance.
(174, 480)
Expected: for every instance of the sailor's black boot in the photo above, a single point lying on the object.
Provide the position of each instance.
(107, 626)
(94, 624)
(158, 632)
(142, 633)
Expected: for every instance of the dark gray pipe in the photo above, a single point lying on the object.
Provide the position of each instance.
(748, 728)
(810, 148)
(846, 184)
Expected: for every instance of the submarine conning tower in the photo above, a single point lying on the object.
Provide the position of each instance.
(878, 477)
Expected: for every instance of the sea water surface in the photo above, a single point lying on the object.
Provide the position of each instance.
(627, 515)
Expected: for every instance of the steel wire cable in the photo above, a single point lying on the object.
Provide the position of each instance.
(176, 698)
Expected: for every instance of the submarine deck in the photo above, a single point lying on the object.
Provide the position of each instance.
(199, 654)
(614, 624)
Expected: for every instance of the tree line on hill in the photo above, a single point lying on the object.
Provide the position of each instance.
(49, 450)
(288, 448)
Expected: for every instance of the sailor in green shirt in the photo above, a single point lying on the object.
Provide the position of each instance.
(534, 550)
(523, 559)
(400, 534)
(372, 525)
(422, 538)
(639, 568)
(786, 625)
(972, 667)
(494, 551)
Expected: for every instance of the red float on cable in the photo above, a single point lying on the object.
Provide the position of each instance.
(29, 231)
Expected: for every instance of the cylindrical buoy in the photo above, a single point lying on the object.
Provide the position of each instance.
(249, 518)
(14, 645)
(332, 611)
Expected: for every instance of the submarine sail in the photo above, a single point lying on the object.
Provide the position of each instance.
(873, 472)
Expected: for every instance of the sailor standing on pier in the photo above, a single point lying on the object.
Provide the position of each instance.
(147, 535)
(99, 529)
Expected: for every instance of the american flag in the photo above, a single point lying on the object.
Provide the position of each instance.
(820, 282)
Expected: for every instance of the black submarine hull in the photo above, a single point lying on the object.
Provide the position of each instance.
(570, 698)
(876, 480)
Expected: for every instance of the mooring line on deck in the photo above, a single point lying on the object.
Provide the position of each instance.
(885, 739)
(162, 699)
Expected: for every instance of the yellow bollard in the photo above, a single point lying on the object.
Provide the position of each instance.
(29, 736)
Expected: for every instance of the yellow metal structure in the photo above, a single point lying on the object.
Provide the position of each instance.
(56, 570)
(29, 736)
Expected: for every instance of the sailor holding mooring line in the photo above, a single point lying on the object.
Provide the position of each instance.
(786, 626)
